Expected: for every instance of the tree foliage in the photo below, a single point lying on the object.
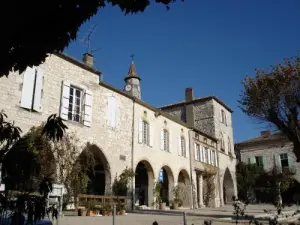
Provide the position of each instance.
(120, 185)
(39, 28)
(273, 96)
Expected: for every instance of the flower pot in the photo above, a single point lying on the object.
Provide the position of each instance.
(162, 206)
(175, 206)
(122, 212)
(82, 212)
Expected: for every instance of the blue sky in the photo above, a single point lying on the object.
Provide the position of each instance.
(208, 45)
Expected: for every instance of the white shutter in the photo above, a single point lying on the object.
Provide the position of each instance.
(204, 155)
(111, 111)
(170, 141)
(88, 102)
(140, 130)
(162, 140)
(187, 149)
(65, 95)
(208, 156)
(216, 158)
(118, 115)
(150, 135)
(179, 146)
(201, 154)
(37, 104)
(27, 89)
(196, 152)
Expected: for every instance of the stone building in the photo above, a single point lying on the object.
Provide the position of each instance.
(270, 150)
(212, 143)
(123, 130)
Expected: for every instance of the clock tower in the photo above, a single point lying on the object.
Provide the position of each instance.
(132, 82)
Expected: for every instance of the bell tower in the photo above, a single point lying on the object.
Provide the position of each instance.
(132, 81)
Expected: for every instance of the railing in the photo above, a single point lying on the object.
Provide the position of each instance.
(102, 199)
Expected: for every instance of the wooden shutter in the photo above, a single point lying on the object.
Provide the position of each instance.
(187, 148)
(150, 135)
(265, 162)
(37, 104)
(27, 89)
(140, 131)
(162, 139)
(179, 146)
(208, 156)
(170, 141)
(88, 102)
(111, 111)
(201, 153)
(216, 158)
(117, 113)
(196, 152)
(253, 160)
(65, 95)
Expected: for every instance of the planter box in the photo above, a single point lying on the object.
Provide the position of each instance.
(162, 206)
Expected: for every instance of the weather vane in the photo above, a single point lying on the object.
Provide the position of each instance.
(132, 56)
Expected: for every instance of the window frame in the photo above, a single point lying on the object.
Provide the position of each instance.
(166, 140)
(145, 131)
(284, 159)
(183, 146)
(74, 104)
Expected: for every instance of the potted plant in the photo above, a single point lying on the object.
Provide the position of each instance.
(120, 208)
(106, 209)
(158, 200)
(91, 208)
(176, 201)
(82, 210)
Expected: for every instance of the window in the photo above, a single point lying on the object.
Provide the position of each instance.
(222, 144)
(223, 117)
(229, 145)
(75, 104)
(212, 155)
(284, 160)
(32, 89)
(145, 131)
(259, 161)
(166, 140)
(183, 150)
(197, 152)
(206, 155)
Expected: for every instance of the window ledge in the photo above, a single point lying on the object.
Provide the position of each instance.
(75, 123)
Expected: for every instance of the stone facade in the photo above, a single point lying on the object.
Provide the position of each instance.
(269, 147)
(205, 116)
(125, 131)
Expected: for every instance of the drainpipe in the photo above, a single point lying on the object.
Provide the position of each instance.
(132, 154)
(191, 167)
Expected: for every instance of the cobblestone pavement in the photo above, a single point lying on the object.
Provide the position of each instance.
(133, 219)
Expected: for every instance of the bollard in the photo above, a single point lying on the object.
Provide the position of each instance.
(114, 214)
(184, 218)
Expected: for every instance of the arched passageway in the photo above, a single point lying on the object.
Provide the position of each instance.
(144, 178)
(184, 184)
(166, 179)
(228, 187)
(292, 194)
(100, 177)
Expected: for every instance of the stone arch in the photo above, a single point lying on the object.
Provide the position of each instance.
(228, 187)
(166, 178)
(183, 177)
(184, 183)
(100, 178)
(144, 183)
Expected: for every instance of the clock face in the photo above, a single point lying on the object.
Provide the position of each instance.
(128, 87)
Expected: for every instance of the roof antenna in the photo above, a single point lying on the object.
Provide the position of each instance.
(87, 40)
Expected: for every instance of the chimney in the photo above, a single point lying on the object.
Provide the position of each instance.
(88, 59)
(189, 108)
(189, 94)
(265, 133)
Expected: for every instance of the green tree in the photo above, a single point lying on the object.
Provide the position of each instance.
(247, 176)
(38, 28)
(273, 96)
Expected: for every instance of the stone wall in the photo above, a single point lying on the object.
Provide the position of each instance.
(178, 112)
(204, 117)
(270, 150)
(112, 142)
